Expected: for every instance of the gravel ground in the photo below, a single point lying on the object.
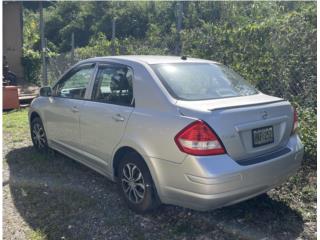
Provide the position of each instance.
(53, 197)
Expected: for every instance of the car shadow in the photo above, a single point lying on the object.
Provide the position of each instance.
(64, 199)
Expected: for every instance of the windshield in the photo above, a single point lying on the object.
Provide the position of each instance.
(201, 81)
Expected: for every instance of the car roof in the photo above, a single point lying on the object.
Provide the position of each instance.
(151, 59)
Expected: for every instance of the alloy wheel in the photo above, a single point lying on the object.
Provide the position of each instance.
(133, 183)
(38, 135)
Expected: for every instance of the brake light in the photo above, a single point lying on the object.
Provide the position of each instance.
(295, 122)
(199, 139)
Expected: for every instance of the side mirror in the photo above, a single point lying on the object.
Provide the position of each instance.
(46, 91)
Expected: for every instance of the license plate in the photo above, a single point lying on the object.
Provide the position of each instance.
(262, 136)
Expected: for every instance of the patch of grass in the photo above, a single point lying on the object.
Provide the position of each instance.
(300, 192)
(15, 125)
(17, 119)
(37, 235)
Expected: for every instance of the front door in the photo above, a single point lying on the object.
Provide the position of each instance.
(104, 118)
(63, 111)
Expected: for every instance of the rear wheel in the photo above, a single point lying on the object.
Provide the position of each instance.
(38, 135)
(135, 184)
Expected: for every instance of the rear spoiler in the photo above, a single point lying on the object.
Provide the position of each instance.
(246, 105)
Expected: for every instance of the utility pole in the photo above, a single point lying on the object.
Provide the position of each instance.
(113, 36)
(179, 26)
(72, 47)
(43, 47)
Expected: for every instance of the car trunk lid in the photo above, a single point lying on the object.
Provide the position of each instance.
(248, 126)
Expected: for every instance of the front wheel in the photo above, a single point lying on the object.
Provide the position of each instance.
(38, 135)
(135, 184)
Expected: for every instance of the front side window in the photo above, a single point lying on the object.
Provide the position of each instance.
(75, 84)
(202, 81)
(114, 85)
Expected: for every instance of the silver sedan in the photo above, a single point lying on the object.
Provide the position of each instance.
(173, 130)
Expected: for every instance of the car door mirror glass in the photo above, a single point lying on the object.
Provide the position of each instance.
(46, 91)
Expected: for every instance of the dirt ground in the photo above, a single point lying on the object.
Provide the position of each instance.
(50, 196)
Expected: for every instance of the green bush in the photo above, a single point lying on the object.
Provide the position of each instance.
(31, 62)
(308, 131)
(101, 46)
(98, 46)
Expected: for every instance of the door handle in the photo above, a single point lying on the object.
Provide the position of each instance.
(118, 118)
(74, 109)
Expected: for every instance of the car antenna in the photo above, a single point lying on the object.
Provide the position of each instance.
(184, 57)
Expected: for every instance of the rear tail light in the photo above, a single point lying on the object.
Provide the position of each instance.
(199, 139)
(295, 122)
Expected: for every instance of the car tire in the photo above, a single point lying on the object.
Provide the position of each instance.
(38, 135)
(139, 199)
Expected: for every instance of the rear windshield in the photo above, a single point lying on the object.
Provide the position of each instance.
(201, 81)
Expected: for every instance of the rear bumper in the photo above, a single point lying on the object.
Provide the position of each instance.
(205, 183)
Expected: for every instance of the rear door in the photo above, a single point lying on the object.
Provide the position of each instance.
(104, 118)
(62, 112)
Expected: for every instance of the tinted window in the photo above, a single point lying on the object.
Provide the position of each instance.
(200, 81)
(74, 85)
(114, 85)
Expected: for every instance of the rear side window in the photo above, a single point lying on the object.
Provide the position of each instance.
(202, 81)
(113, 85)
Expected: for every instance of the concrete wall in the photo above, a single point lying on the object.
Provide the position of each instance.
(12, 36)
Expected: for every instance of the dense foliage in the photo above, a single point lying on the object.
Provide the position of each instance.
(31, 59)
(271, 44)
(308, 131)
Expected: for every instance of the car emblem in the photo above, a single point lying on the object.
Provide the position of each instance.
(264, 115)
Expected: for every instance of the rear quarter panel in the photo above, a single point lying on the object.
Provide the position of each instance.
(152, 133)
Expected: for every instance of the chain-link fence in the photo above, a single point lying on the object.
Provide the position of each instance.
(57, 65)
